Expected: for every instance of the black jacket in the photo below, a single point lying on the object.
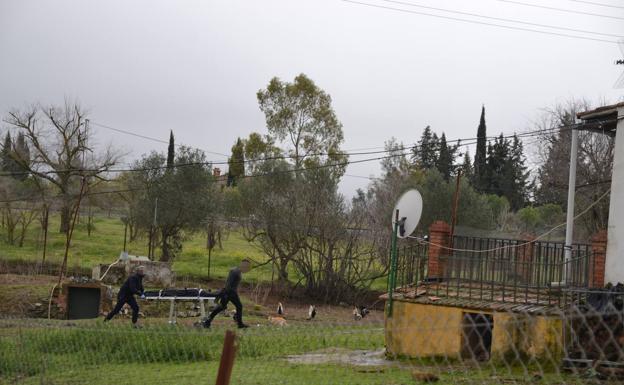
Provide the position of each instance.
(133, 285)
(234, 278)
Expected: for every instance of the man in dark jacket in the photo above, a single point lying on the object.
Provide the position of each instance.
(132, 286)
(230, 294)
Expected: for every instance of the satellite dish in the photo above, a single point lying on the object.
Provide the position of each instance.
(410, 207)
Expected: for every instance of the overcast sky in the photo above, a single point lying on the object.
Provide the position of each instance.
(195, 66)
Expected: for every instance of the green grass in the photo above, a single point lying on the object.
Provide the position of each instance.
(51, 348)
(81, 352)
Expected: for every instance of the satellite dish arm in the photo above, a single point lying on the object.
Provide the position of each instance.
(402, 226)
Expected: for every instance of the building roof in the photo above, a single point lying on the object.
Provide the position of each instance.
(602, 119)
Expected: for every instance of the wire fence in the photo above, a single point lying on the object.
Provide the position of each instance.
(417, 343)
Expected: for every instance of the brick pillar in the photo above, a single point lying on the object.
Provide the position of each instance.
(598, 257)
(439, 234)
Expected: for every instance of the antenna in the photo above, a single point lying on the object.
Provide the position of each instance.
(620, 82)
(409, 208)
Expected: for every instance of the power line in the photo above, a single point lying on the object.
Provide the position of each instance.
(597, 4)
(480, 22)
(499, 18)
(561, 9)
(462, 142)
(146, 137)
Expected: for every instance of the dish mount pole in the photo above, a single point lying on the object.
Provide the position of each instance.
(393, 263)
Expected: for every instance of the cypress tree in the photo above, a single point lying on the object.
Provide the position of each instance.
(171, 150)
(480, 179)
(236, 163)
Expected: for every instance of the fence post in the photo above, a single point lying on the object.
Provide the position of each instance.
(599, 254)
(227, 359)
(439, 235)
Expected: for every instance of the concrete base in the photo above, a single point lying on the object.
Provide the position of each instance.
(420, 330)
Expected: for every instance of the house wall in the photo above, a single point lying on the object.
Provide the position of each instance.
(422, 330)
(614, 269)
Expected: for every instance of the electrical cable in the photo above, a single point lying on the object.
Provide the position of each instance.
(462, 142)
(501, 18)
(480, 22)
(597, 4)
(520, 244)
(560, 9)
(146, 137)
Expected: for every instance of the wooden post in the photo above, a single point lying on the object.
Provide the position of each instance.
(227, 359)
(125, 236)
(46, 212)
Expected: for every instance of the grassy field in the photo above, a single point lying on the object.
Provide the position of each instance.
(106, 242)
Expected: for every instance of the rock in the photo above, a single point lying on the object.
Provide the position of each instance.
(424, 376)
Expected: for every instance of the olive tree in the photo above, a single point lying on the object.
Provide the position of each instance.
(178, 196)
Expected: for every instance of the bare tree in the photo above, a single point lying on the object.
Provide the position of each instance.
(60, 153)
(552, 155)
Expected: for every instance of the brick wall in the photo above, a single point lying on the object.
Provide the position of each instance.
(599, 255)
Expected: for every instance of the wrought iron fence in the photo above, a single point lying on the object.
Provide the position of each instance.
(500, 270)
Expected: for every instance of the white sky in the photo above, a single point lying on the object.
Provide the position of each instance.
(195, 66)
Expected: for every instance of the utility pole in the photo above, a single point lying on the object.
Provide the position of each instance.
(455, 204)
(153, 234)
(570, 210)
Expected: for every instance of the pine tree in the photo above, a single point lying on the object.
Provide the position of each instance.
(446, 158)
(480, 179)
(6, 160)
(466, 167)
(497, 166)
(22, 152)
(507, 173)
(236, 163)
(171, 150)
(518, 180)
(425, 154)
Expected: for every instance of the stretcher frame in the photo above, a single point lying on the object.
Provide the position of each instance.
(173, 299)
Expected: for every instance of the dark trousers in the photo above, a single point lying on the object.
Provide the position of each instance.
(225, 297)
(122, 300)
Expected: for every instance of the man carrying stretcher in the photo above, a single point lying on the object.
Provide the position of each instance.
(230, 294)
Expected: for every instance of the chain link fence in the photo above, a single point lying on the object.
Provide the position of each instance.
(427, 338)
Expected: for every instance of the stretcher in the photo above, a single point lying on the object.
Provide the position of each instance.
(182, 295)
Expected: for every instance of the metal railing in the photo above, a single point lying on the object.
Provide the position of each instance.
(500, 270)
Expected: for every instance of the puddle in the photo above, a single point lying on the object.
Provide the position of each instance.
(342, 356)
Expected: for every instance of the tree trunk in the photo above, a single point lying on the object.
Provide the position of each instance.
(165, 247)
(65, 217)
(282, 274)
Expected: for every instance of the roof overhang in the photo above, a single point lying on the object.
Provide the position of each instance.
(602, 119)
